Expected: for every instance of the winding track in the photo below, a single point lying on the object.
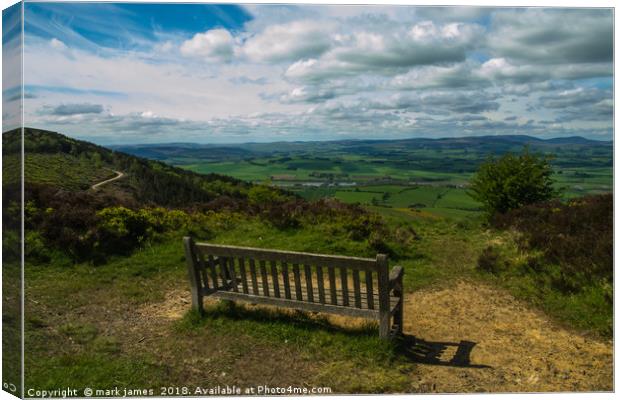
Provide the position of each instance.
(118, 176)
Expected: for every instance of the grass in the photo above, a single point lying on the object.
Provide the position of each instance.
(444, 201)
(359, 349)
(102, 324)
(587, 310)
(62, 170)
(72, 342)
(11, 323)
(117, 324)
(87, 318)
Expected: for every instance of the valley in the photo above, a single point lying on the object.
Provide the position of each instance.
(428, 175)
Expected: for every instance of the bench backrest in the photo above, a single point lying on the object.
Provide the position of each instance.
(315, 278)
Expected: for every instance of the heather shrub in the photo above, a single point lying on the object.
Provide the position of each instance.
(491, 260)
(576, 235)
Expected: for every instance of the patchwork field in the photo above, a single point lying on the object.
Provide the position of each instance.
(410, 173)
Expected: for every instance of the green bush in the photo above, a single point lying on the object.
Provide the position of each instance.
(512, 181)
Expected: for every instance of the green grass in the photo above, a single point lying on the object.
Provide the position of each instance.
(587, 310)
(71, 344)
(358, 349)
(68, 330)
(78, 315)
(11, 323)
(61, 170)
(444, 201)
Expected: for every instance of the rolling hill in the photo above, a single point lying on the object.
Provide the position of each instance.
(477, 146)
(58, 161)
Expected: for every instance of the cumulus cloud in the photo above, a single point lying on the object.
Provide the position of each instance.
(307, 94)
(580, 104)
(553, 36)
(389, 52)
(64, 110)
(456, 76)
(213, 45)
(316, 72)
(500, 69)
(289, 42)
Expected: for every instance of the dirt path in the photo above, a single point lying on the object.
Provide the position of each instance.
(119, 175)
(514, 348)
(475, 338)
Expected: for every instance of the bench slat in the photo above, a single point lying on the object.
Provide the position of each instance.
(213, 271)
(320, 284)
(369, 292)
(285, 279)
(274, 279)
(297, 282)
(300, 305)
(221, 261)
(340, 301)
(356, 288)
(254, 280)
(263, 274)
(332, 283)
(230, 263)
(344, 281)
(203, 273)
(288, 256)
(309, 292)
(244, 278)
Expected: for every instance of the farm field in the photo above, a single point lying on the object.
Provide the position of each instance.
(411, 173)
(394, 183)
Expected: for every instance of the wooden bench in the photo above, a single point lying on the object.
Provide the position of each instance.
(303, 281)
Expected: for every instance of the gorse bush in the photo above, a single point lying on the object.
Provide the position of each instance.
(87, 226)
(123, 229)
(512, 181)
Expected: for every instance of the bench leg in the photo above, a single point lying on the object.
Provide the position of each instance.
(399, 315)
(194, 275)
(384, 324)
(398, 318)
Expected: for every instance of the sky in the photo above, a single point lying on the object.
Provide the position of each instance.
(117, 73)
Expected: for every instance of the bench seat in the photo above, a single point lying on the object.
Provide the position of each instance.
(362, 311)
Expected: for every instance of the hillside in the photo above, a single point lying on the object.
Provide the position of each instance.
(55, 160)
(478, 147)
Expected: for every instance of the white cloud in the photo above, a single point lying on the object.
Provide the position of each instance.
(289, 42)
(214, 45)
(317, 72)
(389, 51)
(553, 36)
(57, 44)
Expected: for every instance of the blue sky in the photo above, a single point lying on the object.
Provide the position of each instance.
(136, 73)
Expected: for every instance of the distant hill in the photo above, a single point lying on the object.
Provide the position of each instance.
(58, 161)
(479, 146)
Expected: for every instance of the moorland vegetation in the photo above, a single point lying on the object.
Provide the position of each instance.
(94, 257)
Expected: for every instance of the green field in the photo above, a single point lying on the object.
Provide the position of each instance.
(385, 184)
(420, 173)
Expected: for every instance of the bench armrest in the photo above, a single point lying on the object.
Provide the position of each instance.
(395, 275)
